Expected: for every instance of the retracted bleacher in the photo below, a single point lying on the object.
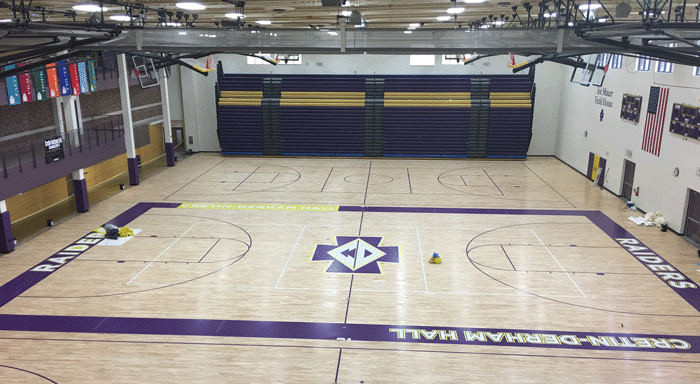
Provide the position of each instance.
(475, 116)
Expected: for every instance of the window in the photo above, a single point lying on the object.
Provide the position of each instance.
(422, 60)
(697, 71)
(664, 67)
(616, 62)
(454, 59)
(290, 59)
(643, 63)
(603, 59)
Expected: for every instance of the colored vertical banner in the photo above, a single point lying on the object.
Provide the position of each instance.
(92, 75)
(39, 80)
(74, 79)
(25, 85)
(52, 80)
(12, 87)
(63, 78)
(82, 75)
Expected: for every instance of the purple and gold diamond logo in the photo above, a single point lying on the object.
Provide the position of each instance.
(356, 255)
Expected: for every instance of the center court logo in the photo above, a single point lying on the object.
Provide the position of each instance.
(354, 254)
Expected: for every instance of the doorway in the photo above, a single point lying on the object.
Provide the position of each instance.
(628, 180)
(692, 218)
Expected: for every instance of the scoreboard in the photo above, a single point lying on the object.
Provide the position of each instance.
(684, 120)
(631, 107)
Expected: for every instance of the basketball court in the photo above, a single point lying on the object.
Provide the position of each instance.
(317, 270)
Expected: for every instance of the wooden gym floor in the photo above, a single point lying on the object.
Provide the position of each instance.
(292, 270)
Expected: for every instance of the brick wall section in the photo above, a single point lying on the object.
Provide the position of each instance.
(25, 117)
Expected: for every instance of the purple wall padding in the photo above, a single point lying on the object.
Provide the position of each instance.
(133, 171)
(7, 242)
(170, 154)
(82, 204)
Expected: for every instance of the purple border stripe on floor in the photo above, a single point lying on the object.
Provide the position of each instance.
(15, 287)
(352, 332)
(685, 287)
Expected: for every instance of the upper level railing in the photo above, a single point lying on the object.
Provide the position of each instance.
(30, 154)
(36, 162)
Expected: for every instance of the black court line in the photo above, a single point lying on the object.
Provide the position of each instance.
(463, 181)
(352, 279)
(538, 176)
(212, 247)
(36, 374)
(494, 183)
(273, 179)
(329, 176)
(337, 369)
(369, 172)
(506, 253)
(251, 174)
(194, 179)
(410, 190)
(348, 348)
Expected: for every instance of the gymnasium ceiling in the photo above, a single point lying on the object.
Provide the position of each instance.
(657, 28)
(377, 13)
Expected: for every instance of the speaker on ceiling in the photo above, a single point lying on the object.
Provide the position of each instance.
(355, 18)
(622, 10)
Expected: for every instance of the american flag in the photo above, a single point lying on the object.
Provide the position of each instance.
(654, 125)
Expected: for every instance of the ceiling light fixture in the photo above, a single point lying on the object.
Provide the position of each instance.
(264, 22)
(443, 18)
(584, 7)
(455, 10)
(474, 1)
(235, 15)
(333, 33)
(120, 17)
(172, 24)
(91, 8)
(191, 6)
(407, 32)
(345, 13)
(415, 25)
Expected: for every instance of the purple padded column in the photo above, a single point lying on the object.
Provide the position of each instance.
(170, 154)
(81, 195)
(7, 242)
(133, 170)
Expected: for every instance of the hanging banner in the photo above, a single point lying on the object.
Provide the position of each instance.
(74, 79)
(82, 74)
(53, 149)
(39, 80)
(63, 78)
(92, 75)
(52, 80)
(12, 87)
(25, 85)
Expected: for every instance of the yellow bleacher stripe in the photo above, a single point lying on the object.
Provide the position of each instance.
(427, 103)
(321, 103)
(426, 95)
(323, 95)
(240, 102)
(244, 94)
